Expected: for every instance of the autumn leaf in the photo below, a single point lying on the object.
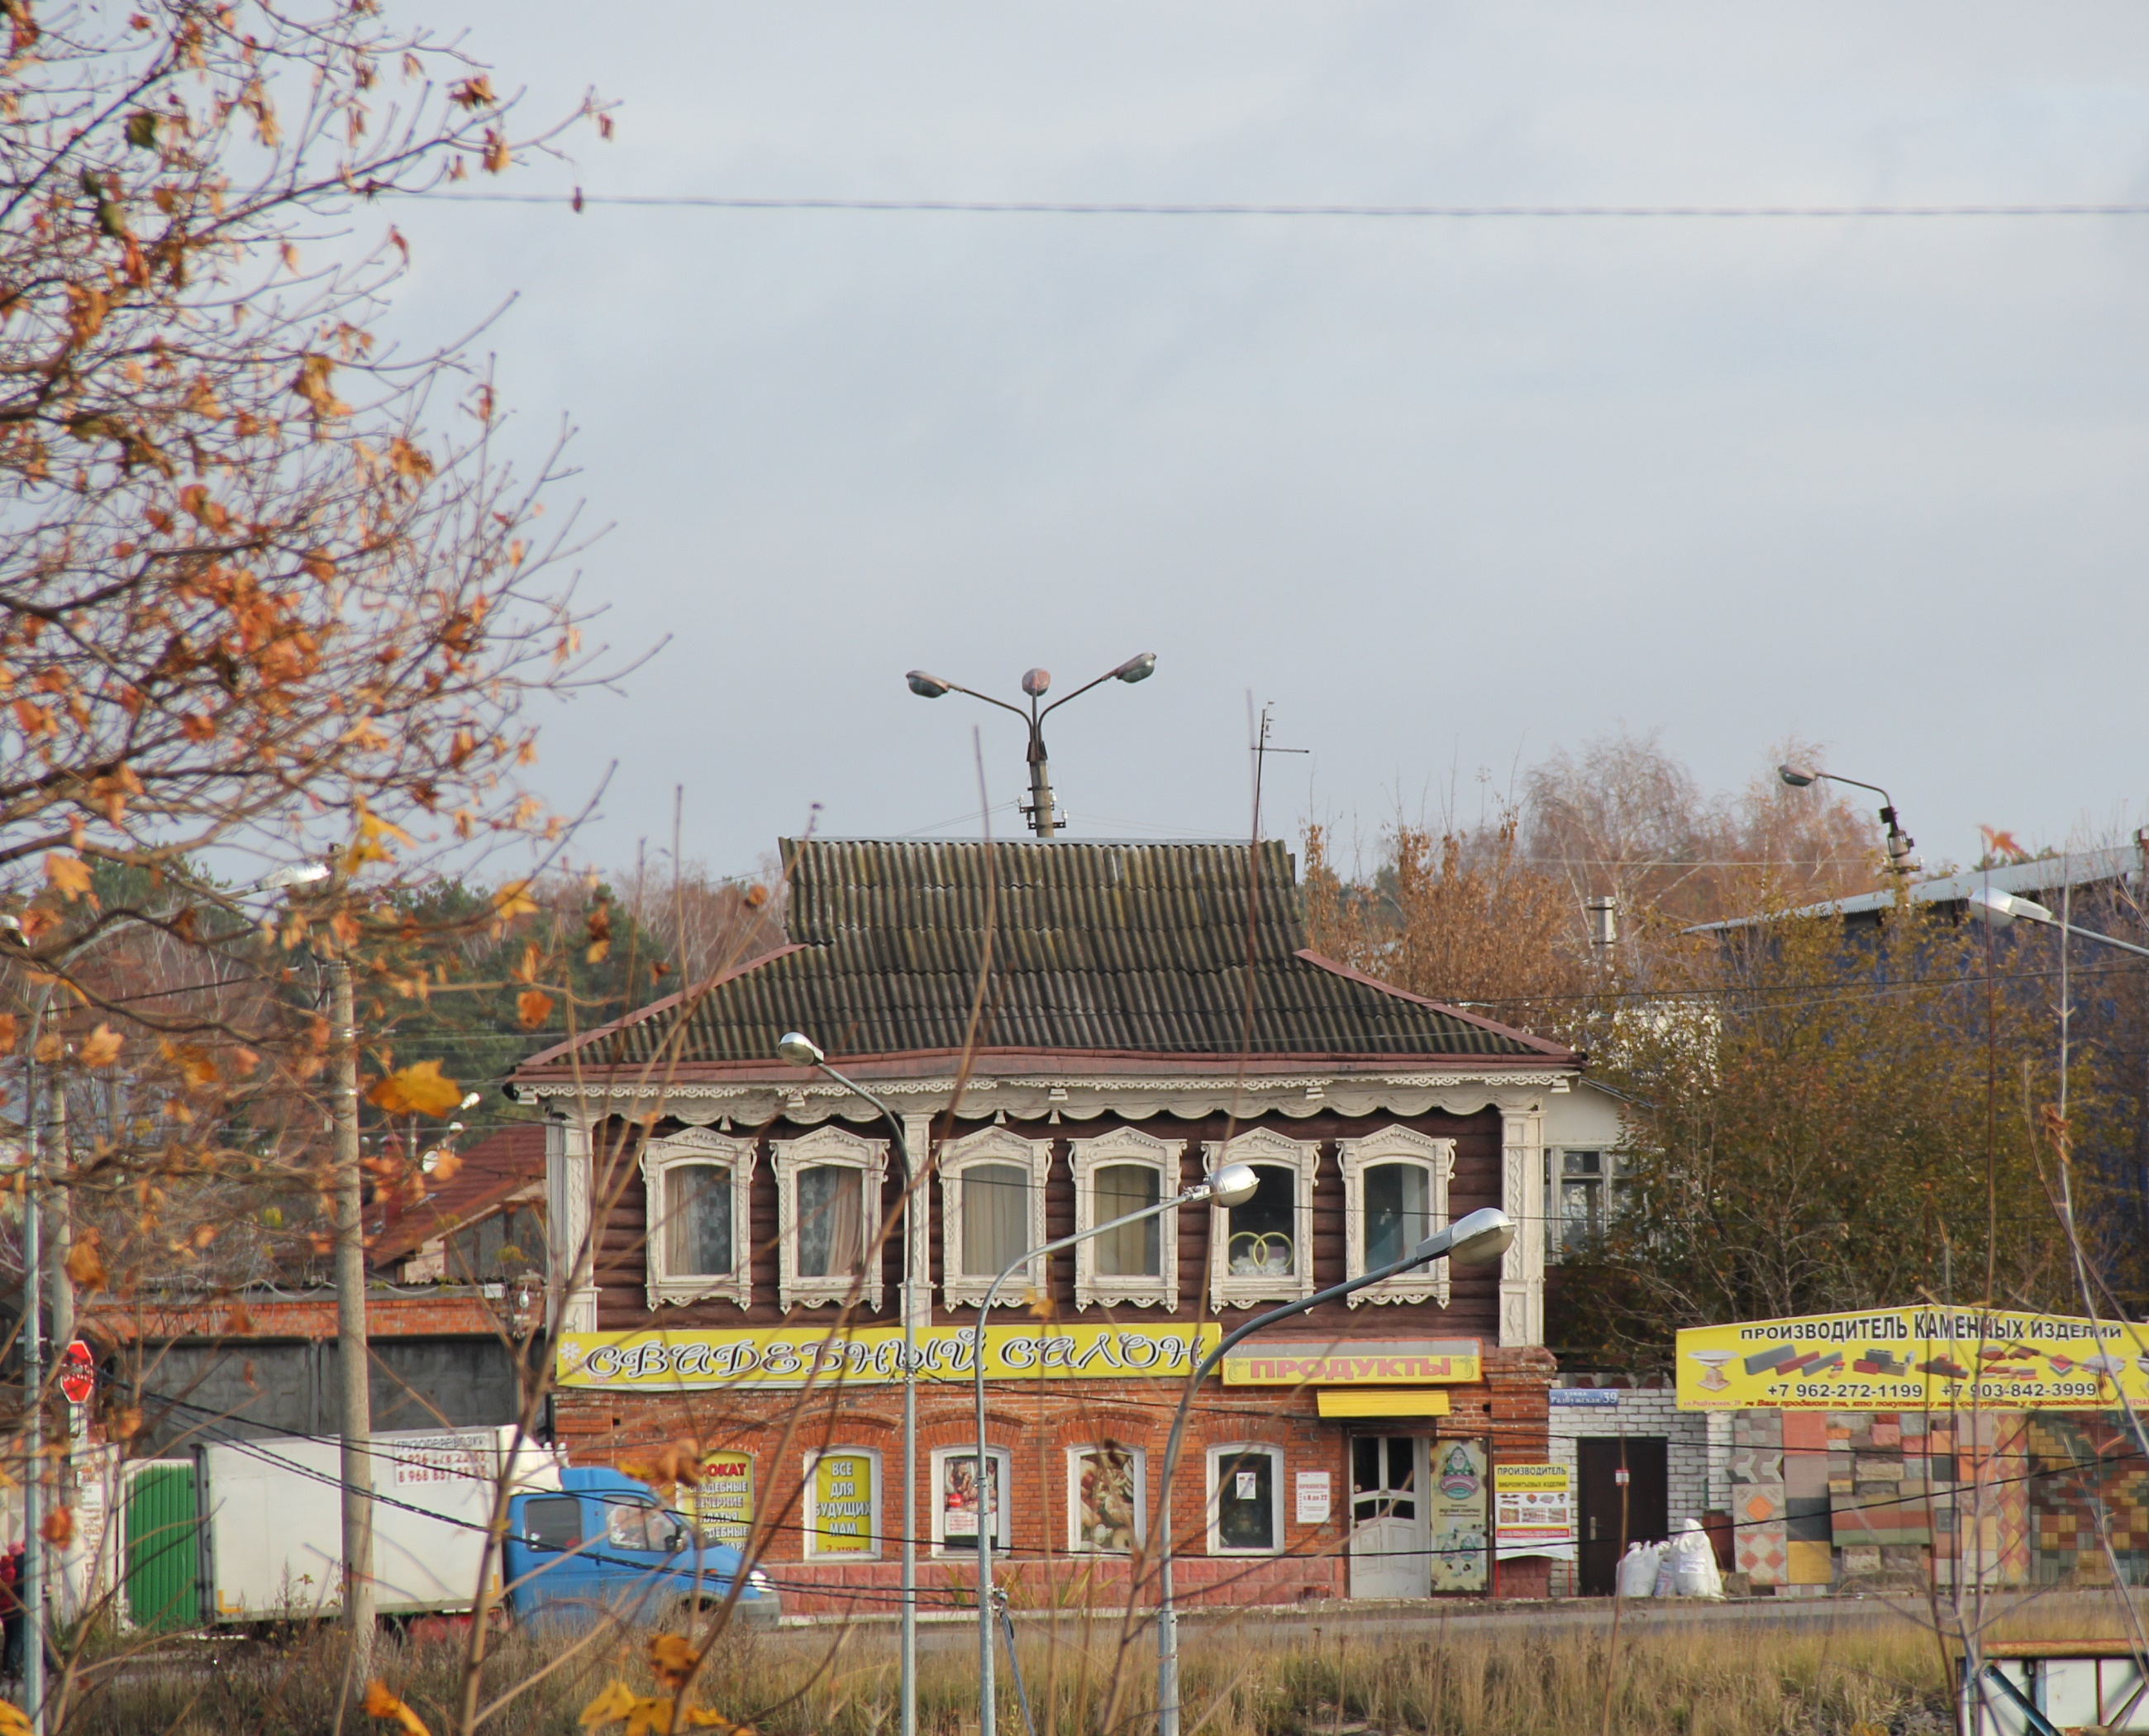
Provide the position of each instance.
(418, 1090)
(70, 874)
(85, 1264)
(14, 1720)
(497, 154)
(513, 900)
(532, 1007)
(616, 1701)
(101, 1047)
(57, 1528)
(380, 1703)
(445, 1165)
(8, 1033)
(673, 1658)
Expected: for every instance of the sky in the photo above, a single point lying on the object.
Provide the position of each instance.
(1449, 494)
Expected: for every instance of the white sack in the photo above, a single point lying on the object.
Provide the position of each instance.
(1638, 1569)
(1690, 1564)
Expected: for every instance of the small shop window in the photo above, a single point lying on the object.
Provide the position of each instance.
(1245, 1489)
(961, 1499)
(842, 1505)
(1105, 1499)
(721, 1503)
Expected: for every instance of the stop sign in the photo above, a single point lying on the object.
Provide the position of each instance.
(78, 1373)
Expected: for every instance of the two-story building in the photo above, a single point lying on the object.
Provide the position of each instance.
(1067, 1031)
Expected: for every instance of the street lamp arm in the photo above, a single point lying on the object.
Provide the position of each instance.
(888, 1114)
(958, 687)
(2125, 946)
(1481, 1234)
(1858, 784)
(1223, 1188)
(1107, 676)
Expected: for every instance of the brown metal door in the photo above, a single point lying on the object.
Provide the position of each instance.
(1606, 1530)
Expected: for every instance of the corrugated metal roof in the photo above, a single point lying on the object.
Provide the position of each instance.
(2026, 880)
(1130, 948)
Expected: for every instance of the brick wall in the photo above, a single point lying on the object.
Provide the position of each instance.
(1696, 1443)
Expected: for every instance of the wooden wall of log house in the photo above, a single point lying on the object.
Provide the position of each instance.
(1473, 1309)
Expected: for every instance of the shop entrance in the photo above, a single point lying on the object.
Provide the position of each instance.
(1648, 1511)
(1388, 1546)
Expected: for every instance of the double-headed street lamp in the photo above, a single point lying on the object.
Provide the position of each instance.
(1043, 817)
(1233, 1184)
(1482, 1236)
(801, 1050)
(1901, 843)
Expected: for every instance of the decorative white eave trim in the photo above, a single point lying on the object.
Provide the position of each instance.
(1074, 1097)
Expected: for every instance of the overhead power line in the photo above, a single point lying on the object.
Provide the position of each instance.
(578, 201)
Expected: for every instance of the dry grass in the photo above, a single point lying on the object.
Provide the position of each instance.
(1722, 1679)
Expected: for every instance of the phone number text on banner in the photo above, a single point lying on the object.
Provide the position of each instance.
(777, 1357)
(1893, 1358)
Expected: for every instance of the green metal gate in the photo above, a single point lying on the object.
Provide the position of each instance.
(162, 1527)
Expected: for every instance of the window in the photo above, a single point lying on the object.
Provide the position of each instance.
(1105, 1499)
(992, 1209)
(1263, 1250)
(842, 1505)
(1583, 1191)
(1115, 1174)
(697, 1184)
(1246, 1500)
(506, 1245)
(957, 1499)
(553, 1521)
(829, 1217)
(1395, 1194)
(637, 1525)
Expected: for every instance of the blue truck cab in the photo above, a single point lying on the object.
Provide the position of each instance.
(604, 1545)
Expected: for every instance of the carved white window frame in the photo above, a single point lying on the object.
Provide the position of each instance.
(989, 1145)
(689, 1148)
(1126, 1145)
(1263, 1146)
(1390, 1145)
(841, 1147)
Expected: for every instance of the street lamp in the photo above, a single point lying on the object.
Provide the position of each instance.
(1233, 1184)
(801, 1050)
(1901, 843)
(2001, 909)
(1043, 818)
(1472, 1241)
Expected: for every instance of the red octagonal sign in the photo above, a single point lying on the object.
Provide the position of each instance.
(78, 1373)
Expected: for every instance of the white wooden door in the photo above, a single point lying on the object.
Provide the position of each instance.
(1388, 1557)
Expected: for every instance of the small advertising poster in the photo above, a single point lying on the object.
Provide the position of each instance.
(843, 1497)
(1533, 1511)
(722, 1502)
(962, 1500)
(1313, 1489)
(1108, 1500)
(1460, 1511)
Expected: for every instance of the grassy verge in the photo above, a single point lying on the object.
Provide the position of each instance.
(1868, 1675)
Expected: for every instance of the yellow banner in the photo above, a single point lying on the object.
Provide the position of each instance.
(1911, 1359)
(1344, 1362)
(777, 1357)
(1527, 1479)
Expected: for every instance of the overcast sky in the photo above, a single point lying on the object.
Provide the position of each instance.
(1450, 494)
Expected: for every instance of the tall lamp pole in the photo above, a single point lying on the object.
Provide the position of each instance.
(1901, 843)
(801, 1050)
(1233, 1184)
(1044, 816)
(1480, 1236)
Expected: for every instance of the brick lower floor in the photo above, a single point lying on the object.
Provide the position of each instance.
(1261, 1506)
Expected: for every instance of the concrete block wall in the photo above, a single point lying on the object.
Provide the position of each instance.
(1696, 1453)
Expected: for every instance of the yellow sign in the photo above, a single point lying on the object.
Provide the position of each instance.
(777, 1357)
(842, 1521)
(1532, 1479)
(1892, 1359)
(1343, 1401)
(1345, 1362)
(721, 1504)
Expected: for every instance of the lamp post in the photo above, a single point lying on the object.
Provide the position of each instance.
(1044, 816)
(1901, 843)
(1233, 1184)
(1482, 1235)
(2001, 910)
(801, 1050)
